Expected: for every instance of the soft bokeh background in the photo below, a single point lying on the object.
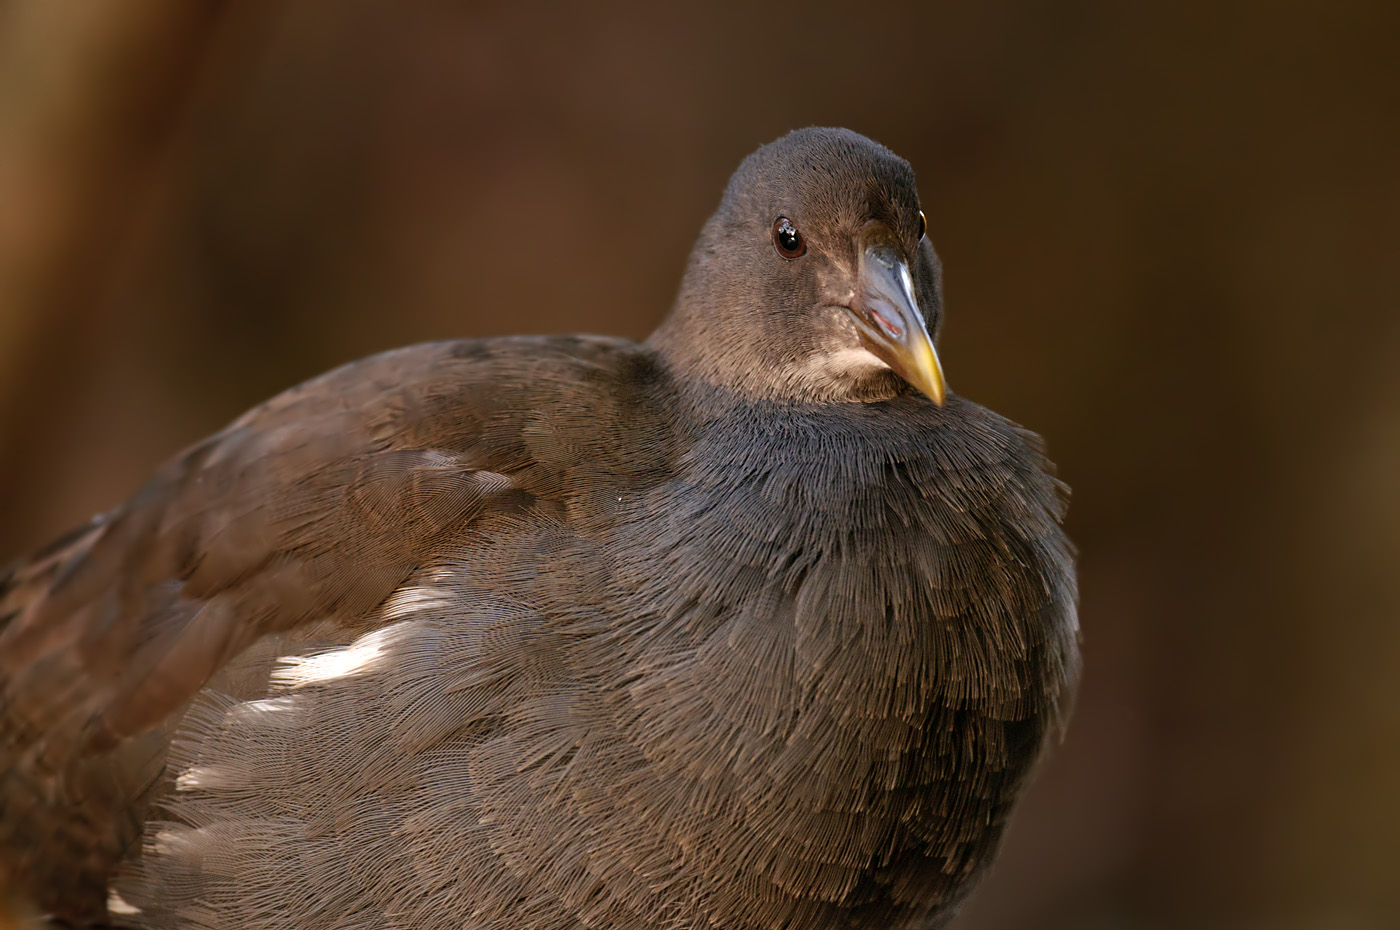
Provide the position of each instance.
(1171, 235)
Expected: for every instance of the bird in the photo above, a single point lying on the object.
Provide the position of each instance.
(753, 625)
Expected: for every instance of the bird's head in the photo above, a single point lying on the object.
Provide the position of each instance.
(814, 281)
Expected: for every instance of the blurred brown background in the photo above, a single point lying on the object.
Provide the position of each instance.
(1171, 245)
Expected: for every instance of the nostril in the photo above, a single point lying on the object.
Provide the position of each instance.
(892, 329)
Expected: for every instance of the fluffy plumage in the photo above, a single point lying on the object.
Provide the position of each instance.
(719, 630)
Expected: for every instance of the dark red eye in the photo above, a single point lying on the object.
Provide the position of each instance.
(923, 226)
(787, 239)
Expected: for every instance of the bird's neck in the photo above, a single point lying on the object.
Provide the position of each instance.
(709, 362)
(721, 371)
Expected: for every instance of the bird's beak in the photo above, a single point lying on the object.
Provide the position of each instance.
(888, 317)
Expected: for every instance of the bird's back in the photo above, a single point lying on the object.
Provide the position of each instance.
(287, 534)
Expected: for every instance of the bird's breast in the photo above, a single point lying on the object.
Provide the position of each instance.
(847, 668)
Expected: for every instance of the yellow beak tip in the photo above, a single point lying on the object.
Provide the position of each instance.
(930, 378)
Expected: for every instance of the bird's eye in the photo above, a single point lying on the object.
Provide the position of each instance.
(787, 239)
(923, 225)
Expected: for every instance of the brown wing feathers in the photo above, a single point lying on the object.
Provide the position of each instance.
(315, 505)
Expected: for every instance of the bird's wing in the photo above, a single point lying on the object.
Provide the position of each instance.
(311, 508)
